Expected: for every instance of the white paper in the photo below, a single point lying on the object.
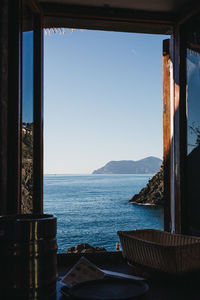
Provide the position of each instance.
(121, 275)
(84, 270)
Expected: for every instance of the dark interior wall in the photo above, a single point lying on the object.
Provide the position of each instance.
(13, 117)
(3, 102)
(9, 106)
(11, 42)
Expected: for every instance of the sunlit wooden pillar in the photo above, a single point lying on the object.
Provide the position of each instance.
(166, 134)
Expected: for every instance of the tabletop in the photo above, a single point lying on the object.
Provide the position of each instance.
(183, 288)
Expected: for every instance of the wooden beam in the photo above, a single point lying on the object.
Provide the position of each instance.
(105, 16)
(176, 136)
(106, 13)
(183, 131)
(3, 103)
(189, 11)
(38, 118)
(14, 113)
(35, 6)
(166, 134)
(179, 137)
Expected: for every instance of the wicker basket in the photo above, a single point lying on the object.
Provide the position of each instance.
(161, 251)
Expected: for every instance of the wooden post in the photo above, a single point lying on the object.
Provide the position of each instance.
(179, 127)
(38, 117)
(166, 134)
(14, 117)
(3, 103)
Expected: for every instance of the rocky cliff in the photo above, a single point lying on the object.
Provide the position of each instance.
(85, 248)
(153, 193)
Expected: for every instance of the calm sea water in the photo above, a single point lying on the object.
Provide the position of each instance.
(92, 208)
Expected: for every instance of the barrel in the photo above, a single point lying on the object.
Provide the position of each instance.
(28, 261)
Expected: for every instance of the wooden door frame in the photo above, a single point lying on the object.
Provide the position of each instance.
(167, 135)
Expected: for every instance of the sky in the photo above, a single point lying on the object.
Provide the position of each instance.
(27, 92)
(102, 99)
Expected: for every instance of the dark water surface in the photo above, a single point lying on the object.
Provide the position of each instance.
(92, 208)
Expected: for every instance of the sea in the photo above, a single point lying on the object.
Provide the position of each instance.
(92, 208)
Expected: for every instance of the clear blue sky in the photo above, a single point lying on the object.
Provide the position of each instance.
(27, 92)
(103, 99)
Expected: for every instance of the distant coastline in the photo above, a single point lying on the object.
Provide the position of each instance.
(148, 165)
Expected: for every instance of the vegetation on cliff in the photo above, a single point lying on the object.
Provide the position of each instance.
(27, 168)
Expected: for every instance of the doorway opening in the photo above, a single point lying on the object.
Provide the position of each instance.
(103, 133)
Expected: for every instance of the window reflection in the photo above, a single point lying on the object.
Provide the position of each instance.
(27, 112)
(193, 139)
(193, 99)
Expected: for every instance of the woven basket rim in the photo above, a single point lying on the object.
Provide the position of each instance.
(126, 233)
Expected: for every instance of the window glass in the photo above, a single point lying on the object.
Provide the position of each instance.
(193, 125)
(27, 111)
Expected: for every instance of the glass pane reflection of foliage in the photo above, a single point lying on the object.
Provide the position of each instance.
(27, 111)
(27, 167)
(193, 139)
(193, 99)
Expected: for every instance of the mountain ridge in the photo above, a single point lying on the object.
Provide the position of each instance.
(147, 165)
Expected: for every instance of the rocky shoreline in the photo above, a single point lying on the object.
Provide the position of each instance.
(153, 193)
(85, 248)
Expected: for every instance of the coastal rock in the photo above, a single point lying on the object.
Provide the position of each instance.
(153, 193)
(85, 248)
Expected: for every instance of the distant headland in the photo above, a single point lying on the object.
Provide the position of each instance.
(148, 165)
